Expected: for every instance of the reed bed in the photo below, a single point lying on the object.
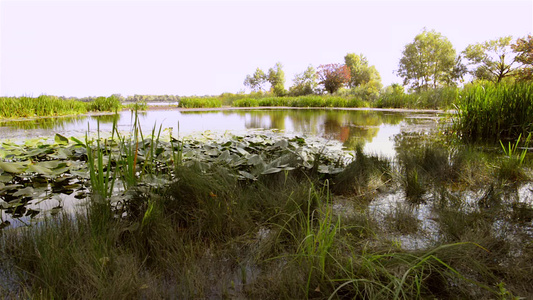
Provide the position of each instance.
(199, 102)
(492, 112)
(441, 98)
(16, 107)
(13, 107)
(302, 101)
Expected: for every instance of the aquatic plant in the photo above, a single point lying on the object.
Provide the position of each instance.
(199, 102)
(492, 112)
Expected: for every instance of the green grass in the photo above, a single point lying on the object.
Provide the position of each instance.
(14, 107)
(199, 102)
(442, 98)
(491, 112)
(302, 101)
(17, 107)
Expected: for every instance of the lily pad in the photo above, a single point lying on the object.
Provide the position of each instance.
(13, 167)
(61, 140)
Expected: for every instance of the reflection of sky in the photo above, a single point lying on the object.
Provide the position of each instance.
(383, 143)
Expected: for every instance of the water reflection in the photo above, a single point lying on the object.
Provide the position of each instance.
(373, 129)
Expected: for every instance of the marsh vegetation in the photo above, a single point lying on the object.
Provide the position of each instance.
(266, 215)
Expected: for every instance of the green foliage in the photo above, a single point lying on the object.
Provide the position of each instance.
(490, 60)
(256, 81)
(199, 102)
(303, 101)
(492, 112)
(276, 77)
(440, 98)
(111, 103)
(429, 62)
(246, 102)
(524, 55)
(15, 107)
(304, 83)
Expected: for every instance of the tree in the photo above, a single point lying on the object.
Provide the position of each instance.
(524, 55)
(305, 83)
(490, 60)
(365, 81)
(256, 81)
(276, 77)
(333, 76)
(428, 62)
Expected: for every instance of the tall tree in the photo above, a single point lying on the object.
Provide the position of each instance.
(524, 55)
(333, 76)
(276, 77)
(365, 81)
(360, 71)
(491, 60)
(256, 81)
(428, 62)
(305, 83)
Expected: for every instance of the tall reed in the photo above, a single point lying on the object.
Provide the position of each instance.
(492, 112)
(199, 102)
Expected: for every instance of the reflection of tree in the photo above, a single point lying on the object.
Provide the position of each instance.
(351, 127)
(44, 123)
(110, 118)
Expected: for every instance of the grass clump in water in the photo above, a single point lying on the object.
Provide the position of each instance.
(492, 112)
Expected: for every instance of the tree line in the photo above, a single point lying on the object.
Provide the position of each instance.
(429, 62)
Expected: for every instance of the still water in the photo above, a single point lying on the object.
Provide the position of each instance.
(371, 128)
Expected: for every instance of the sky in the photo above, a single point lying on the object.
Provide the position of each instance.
(98, 48)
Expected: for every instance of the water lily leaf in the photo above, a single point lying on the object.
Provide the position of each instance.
(212, 152)
(61, 153)
(5, 178)
(39, 169)
(80, 173)
(27, 191)
(225, 156)
(78, 142)
(282, 144)
(10, 187)
(61, 140)
(36, 152)
(255, 160)
(241, 151)
(51, 164)
(12, 167)
(247, 175)
(271, 171)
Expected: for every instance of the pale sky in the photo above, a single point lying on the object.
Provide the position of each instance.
(98, 48)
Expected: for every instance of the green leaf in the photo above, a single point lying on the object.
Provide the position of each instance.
(39, 169)
(271, 171)
(5, 178)
(59, 139)
(78, 142)
(12, 167)
(27, 191)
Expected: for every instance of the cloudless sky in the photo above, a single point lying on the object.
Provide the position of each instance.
(98, 48)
